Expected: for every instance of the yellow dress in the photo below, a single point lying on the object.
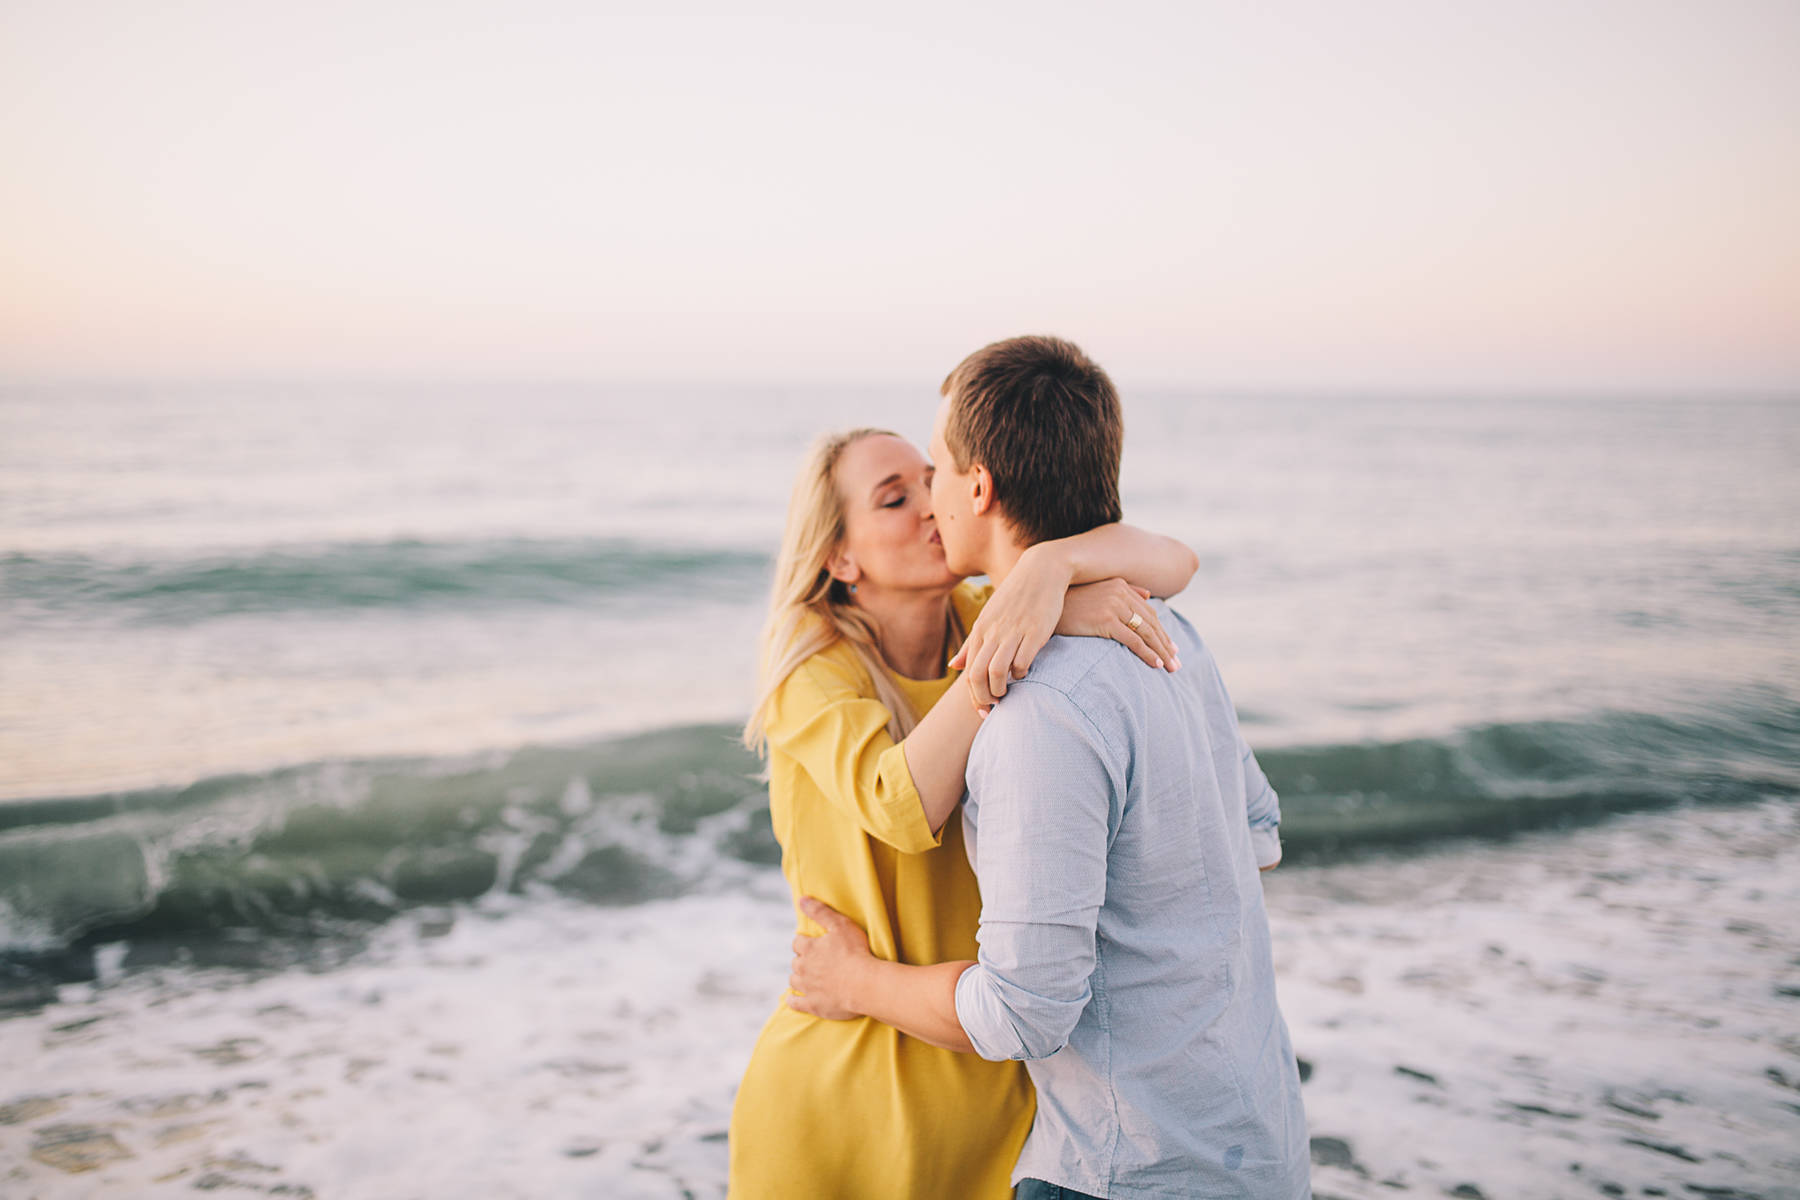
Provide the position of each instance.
(855, 1109)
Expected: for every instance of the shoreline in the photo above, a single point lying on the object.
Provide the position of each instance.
(310, 851)
(1607, 1011)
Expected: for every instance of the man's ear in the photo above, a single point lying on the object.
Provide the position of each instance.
(981, 490)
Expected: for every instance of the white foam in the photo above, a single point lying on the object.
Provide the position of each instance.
(1579, 1000)
(1624, 980)
(541, 1052)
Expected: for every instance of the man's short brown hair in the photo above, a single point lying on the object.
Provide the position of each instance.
(1043, 418)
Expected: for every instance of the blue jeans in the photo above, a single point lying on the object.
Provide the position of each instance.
(1037, 1189)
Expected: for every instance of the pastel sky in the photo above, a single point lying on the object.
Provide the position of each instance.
(1600, 194)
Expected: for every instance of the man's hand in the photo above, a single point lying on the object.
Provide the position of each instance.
(826, 968)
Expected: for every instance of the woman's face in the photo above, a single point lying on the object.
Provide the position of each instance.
(890, 536)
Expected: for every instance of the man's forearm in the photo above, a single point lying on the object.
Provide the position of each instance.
(920, 1001)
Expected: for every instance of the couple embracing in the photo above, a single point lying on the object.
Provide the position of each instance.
(1067, 986)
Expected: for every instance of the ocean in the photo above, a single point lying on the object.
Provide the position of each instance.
(301, 680)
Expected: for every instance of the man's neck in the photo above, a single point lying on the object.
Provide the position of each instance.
(1002, 556)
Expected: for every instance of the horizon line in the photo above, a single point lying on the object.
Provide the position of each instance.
(1245, 389)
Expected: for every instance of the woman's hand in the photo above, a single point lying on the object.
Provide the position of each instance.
(1105, 609)
(1036, 601)
(826, 967)
(1013, 626)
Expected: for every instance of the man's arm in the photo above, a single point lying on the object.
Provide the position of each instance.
(1261, 805)
(1047, 783)
(1045, 788)
(836, 977)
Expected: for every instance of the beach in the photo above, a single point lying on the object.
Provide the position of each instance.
(373, 821)
(1610, 1012)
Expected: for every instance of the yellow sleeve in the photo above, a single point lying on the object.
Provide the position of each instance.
(823, 718)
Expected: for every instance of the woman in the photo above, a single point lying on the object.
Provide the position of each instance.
(865, 769)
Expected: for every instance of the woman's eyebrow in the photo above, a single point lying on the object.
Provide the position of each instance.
(894, 478)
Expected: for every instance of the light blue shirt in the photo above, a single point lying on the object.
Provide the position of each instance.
(1116, 820)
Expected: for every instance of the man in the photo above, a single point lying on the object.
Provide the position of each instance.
(1116, 822)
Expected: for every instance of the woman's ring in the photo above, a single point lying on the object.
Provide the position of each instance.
(1135, 621)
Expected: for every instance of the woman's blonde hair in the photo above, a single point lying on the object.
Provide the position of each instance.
(804, 588)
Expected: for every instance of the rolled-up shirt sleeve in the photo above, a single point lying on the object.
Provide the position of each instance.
(1264, 809)
(1044, 787)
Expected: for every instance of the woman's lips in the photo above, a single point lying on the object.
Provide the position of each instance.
(935, 539)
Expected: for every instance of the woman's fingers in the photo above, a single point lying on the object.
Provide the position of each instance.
(1128, 638)
(988, 670)
(1152, 630)
(997, 654)
(979, 692)
(980, 649)
(999, 672)
(960, 659)
(975, 673)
